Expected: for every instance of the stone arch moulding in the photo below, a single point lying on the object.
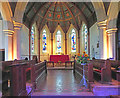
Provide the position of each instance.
(112, 15)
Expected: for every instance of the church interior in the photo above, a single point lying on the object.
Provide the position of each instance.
(60, 49)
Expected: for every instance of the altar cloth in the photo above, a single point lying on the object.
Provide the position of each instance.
(59, 58)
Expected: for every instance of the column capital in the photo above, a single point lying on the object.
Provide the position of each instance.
(111, 30)
(102, 24)
(17, 25)
(8, 32)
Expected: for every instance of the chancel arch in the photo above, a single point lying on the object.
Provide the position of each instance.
(72, 41)
(58, 41)
(45, 43)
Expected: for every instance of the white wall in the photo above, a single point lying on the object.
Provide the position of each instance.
(24, 42)
(2, 36)
(94, 38)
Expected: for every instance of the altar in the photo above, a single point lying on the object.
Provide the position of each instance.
(59, 58)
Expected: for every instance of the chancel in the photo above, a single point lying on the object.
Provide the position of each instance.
(60, 49)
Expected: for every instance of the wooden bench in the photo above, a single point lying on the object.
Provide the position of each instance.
(115, 65)
(102, 68)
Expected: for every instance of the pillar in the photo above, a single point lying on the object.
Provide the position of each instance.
(66, 43)
(30, 43)
(112, 42)
(16, 40)
(38, 45)
(8, 31)
(51, 43)
(102, 39)
(88, 42)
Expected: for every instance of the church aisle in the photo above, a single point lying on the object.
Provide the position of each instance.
(61, 82)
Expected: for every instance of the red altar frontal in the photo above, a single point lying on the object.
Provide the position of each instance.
(59, 58)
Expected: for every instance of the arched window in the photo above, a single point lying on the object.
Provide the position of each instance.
(58, 39)
(44, 41)
(32, 39)
(85, 36)
(73, 41)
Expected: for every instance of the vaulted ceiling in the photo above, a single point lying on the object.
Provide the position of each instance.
(62, 13)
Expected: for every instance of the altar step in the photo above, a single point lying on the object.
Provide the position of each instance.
(60, 68)
(106, 89)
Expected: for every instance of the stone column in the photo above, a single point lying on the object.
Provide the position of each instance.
(66, 43)
(51, 43)
(8, 31)
(39, 46)
(78, 41)
(30, 43)
(112, 42)
(16, 40)
(102, 40)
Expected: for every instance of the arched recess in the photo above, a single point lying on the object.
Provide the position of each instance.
(55, 41)
(84, 38)
(69, 41)
(45, 33)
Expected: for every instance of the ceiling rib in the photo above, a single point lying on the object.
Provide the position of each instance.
(62, 12)
(45, 16)
(72, 16)
(82, 14)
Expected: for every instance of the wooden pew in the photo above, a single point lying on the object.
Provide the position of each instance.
(115, 68)
(5, 68)
(103, 69)
(36, 71)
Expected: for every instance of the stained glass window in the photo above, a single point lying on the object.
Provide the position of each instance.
(58, 38)
(32, 39)
(85, 33)
(44, 41)
(73, 41)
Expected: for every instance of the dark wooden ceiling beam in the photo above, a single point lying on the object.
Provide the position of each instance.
(81, 13)
(87, 7)
(76, 25)
(30, 8)
(33, 18)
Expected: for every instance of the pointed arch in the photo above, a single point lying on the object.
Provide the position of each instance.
(72, 43)
(61, 34)
(45, 43)
(84, 38)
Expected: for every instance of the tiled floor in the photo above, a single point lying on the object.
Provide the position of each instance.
(61, 82)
